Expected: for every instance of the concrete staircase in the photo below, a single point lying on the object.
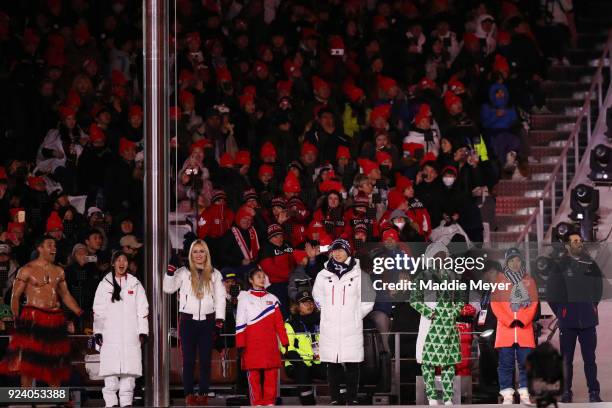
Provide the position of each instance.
(565, 90)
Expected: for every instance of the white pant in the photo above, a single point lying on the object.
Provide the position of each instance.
(124, 384)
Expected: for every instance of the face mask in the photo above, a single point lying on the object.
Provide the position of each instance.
(448, 181)
(399, 224)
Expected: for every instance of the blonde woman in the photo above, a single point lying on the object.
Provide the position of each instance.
(202, 310)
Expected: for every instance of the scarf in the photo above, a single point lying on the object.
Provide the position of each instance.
(519, 295)
(248, 252)
(340, 268)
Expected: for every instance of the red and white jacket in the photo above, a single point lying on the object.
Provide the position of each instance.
(259, 328)
(214, 221)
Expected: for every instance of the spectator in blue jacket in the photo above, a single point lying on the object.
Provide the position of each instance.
(498, 121)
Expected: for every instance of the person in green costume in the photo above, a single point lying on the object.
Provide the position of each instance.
(438, 342)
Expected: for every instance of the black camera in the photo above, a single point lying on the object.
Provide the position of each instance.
(234, 290)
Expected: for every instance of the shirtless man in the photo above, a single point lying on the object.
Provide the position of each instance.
(40, 349)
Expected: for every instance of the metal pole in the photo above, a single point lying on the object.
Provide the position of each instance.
(588, 113)
(156, 127)
(397, 378)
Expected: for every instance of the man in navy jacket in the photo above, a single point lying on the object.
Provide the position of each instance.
(574, 291)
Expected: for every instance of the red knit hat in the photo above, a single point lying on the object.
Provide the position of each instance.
(390, 233)
(450, 99)
(259, 66)
(192, 37)
(291, 184)
(450, 169)
(330, 185)
(243, 158)
(382, 157)
(385, 83)
(226, 160)
(65, 111)
(290, 68)
(501, 64)
(309, 148)
(175, 112)
(343, 151)
(223, 74)
(299, 255)
(54, 222)
(426, 83)
(381, 111)
(402, 182)
(244, 212)
(245, 99)
(250, 90)
(318, 84)
(367, 165)
(95, 133)
(125, 144)
(201, 144)
(135, 110)
(353, 93)
(424, 112)
(266, 169)
(117, 78)
(284, 86)
(429, 157)
(395, 198)
(186, 97)
(267, 150)
(456, 86)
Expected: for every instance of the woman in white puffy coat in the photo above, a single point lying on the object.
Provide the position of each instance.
(202, 311)
(338, 294)
(121, 327)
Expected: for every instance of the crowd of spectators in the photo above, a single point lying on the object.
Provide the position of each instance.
(293, 123)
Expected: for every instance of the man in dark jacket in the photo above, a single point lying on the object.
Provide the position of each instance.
(122, 189)
(573, 293)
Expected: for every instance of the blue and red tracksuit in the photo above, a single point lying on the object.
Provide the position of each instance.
(259, 328)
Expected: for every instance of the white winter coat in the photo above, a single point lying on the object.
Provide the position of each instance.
(121, 323)
(189, 303)
(342, 313)
(53, 141)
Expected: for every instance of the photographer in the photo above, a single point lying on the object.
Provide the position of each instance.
(82, 277)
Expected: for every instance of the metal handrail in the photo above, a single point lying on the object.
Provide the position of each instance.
(537, 217)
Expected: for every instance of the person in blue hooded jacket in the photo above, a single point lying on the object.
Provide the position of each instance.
(498, 121)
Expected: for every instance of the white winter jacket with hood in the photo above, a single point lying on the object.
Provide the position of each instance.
(342, 313)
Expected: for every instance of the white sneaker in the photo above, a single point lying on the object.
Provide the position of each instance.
(508, 395)
(524, 394)
(448, 403)
(510, 160)
(433, 402)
